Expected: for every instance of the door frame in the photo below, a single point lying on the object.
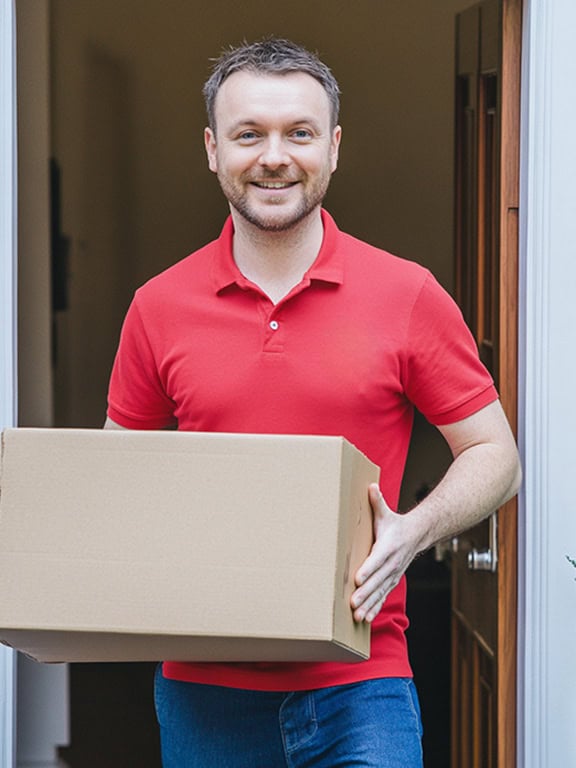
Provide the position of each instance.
(546, 704)
(8, 392)
(547, 420)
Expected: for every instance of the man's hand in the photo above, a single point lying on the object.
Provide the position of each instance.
(484, 474)
(391, 554)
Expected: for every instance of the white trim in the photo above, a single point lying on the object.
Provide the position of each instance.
(7, 317)
(547, 603)
(7, 214)
(533, 391)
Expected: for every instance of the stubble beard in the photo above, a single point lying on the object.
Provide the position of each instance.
(275, 220)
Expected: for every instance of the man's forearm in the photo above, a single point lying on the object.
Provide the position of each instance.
(479, 481)
(484, 474)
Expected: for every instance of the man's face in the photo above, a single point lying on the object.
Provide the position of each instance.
(273, 149)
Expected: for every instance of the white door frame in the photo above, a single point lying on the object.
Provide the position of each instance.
(547, 618)
(547, 418)
(8, 232)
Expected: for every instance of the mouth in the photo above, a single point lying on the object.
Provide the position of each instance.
(274, 184)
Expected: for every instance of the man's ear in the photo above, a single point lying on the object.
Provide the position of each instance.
(335, 146)
(210, 144)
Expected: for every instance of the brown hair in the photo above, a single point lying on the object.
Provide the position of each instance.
(275, 56)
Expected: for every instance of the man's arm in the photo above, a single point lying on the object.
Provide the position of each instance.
(484, 474)
(109, 424)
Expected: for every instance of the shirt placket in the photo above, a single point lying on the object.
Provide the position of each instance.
(274, 330)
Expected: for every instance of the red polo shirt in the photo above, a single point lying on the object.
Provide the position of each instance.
(361, 340)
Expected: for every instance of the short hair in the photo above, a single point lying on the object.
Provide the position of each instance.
(273, 56)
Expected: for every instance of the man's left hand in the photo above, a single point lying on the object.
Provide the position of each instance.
(391, 554)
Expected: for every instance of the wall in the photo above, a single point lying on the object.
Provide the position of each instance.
(127, 130)
(42, 690)
(34, 324)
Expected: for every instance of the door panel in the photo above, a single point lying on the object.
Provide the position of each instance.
(486, 212)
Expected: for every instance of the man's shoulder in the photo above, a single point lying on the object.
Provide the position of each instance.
(365, 258)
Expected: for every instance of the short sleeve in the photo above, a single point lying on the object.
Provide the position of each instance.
(136, 396)
(443, 375)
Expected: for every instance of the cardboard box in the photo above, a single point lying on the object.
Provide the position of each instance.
(143, 546)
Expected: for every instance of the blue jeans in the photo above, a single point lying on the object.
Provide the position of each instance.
(374, 724)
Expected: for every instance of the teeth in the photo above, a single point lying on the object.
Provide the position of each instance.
(274, 184)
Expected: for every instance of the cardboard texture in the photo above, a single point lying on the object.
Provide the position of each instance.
(144, 546)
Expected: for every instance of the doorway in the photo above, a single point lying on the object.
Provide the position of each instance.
(136, 195)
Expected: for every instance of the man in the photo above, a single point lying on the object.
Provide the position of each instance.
(287, 325)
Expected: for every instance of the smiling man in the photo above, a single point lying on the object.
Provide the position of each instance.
(274, 147)
(285, 324)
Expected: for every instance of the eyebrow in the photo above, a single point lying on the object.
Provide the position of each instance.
(251, 123)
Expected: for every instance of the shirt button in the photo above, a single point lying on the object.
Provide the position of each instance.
(274, 325)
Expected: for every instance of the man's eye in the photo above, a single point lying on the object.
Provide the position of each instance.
(248, 136)
(302, 133)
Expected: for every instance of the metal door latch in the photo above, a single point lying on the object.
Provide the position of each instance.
(486, 559)
(481, 560)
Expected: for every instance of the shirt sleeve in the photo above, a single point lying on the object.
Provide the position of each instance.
(443, 375)
(136, 396)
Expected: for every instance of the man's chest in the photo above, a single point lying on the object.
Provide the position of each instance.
(270, 366)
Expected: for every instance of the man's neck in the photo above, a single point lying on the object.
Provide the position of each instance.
(276, 261)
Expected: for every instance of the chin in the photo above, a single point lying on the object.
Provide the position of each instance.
(279, 222)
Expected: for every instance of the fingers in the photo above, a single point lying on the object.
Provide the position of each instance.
(384, 566)
(368, 599)
(370, 607)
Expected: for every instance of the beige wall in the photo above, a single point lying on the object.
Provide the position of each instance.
(127, 130)
(395, 65)
(34, 320)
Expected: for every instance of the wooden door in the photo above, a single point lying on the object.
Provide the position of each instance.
(485, 558)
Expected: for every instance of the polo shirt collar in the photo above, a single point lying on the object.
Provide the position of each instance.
(328, 266)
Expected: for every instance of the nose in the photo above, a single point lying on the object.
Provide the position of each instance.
(274, 153)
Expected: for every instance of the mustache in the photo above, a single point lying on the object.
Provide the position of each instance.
(265, 175)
